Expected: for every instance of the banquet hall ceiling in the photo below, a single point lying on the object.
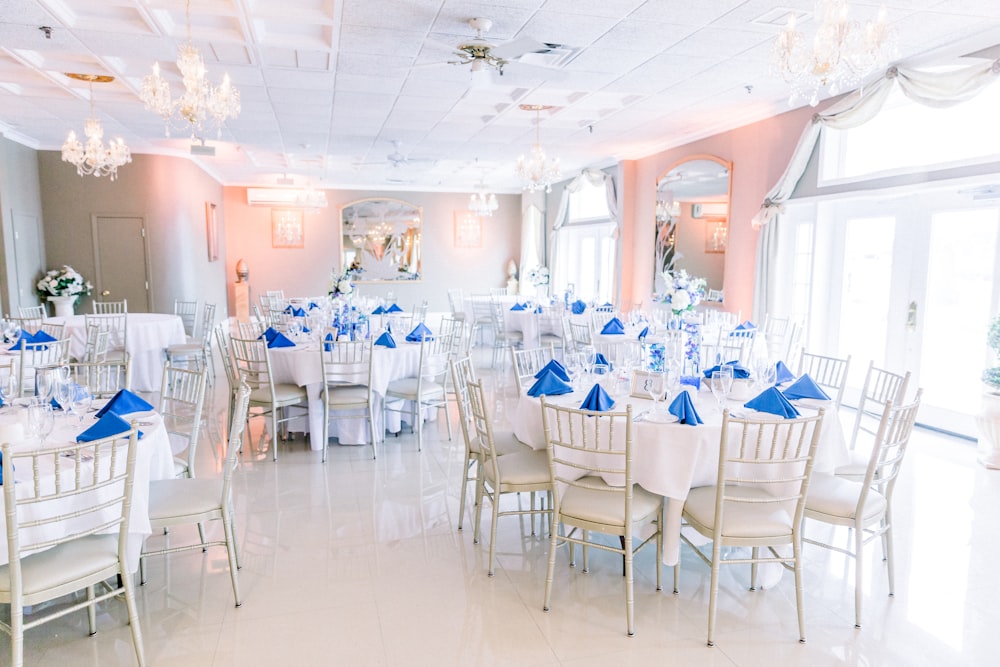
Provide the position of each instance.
(328, 86)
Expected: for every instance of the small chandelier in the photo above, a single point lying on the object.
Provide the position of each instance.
(837, 58)
(200, 101)
(483, 202)
(94, 158)
(537, 172)
(667, 209)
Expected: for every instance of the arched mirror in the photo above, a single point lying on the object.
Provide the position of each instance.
(381, 239)
(692, 221)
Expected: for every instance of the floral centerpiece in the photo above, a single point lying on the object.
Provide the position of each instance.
(682, 292)
(340, 283)
(64, 282)
(538, 276)
(991, 376)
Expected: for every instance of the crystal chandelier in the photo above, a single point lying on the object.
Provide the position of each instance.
(537, 172)
(483, 202)
(837, 58)
(93, 157)
(200, 100)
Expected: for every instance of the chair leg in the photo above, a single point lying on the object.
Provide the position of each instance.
(550, 572)
(274, 433)
(447, 417)
(713, 592)
(233, 564)
(201, 536)
(91, 611)
(480, 493)
(629, 591)
(797, 554)
(465, 488)
(887, 536)
(754, 554)
(133, 617)
(418, 417)
(677, 576)
(583, 548)
(858, 571)
(16, 635)
(493, 528)
(531, 516)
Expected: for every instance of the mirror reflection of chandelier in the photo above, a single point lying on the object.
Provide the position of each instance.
(667, 209)
(379, 235)
(837, 58)
(93, 157)
(200, 100)
(537, 172)
(483, 203)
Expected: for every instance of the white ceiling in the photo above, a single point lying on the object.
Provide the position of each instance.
(327, 85)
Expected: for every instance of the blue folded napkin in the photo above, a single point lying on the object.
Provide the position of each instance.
(538, 310)
(123, 403)
(550, 384)
(556, 368)
(105, 427)
(739, 371)
(298, 312)
(393, 309)
(280, 340)
(313, 305)
(597, 399)
(805, 387)
(517, 306)
(782, 374)
(269, 334)
(771, 400)
(1, 469)
(419, 333)
(385, 340)
(330, 340)
(643, 333)
(599, 358)
(691, 381)
(606, 305)
(379, 311)
(288, 309)
(24, 336)
(613, 327)
(42, 337)
(683, 408)
(745, 326)
(578, 307)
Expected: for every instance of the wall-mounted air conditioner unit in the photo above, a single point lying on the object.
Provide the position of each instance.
(286, 197)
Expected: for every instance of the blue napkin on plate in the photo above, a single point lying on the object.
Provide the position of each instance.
(269, 334)
(279, 340)
(550, 384)
(313, 305)
(419, 333)
(578, 307)
(691, 381)
(330, 340)
(393, 309)
(123, 403)
(746, 326)
(683, 408)
(739, 371)
(42, 337)
(298, 312)
(288, 309)
(782, 374)
(379, 311)
(613, 327)
(517, 306)
(805, 387)
(598, 400)
(556, 368)
(106, 426)
(599, 358)
(643, 333)
(771, 400)
(385, 340)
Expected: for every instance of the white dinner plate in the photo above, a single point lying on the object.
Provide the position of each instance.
(747, 413)
(660, 417)
(813, 403)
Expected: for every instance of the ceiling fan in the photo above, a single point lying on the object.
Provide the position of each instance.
(397, 159)
(483, 55)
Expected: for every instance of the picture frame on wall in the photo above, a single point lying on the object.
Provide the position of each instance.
(212, 231)
(468, 230)
(287, 228)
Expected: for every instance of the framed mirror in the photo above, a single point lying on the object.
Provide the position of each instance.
(382, 239)
(692, 221)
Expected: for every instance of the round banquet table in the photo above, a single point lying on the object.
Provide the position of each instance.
(671, 459)
(148, 335)
(154, 460)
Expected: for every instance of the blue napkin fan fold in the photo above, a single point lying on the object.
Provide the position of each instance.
(578, 307)
(550, 384)
(419, 333)
(386, 340)
(329, 341)
(740, 372)
(600, 359)
(555, 367)
(379, 311)
(517, 306)
(394, 309)
(123, 403)
(782, 373)
(105, 427)
(613, 327)
(773, 401)
(644, 333)
(682, 407)
(597, 400)
(805, 387)
(279, 340)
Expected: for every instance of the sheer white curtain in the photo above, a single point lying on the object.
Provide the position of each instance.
(934, 89)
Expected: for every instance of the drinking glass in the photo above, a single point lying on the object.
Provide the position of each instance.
(63, 393)
(728, 375)
(8, 387)
(45, 381)
(717, 385)
(40, 420)
(81, 400)
(657, 389)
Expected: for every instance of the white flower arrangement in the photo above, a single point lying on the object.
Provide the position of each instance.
(538, 276)
(340, 283)
(63, 282)
(682, 292)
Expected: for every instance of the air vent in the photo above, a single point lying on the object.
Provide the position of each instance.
(555, 56)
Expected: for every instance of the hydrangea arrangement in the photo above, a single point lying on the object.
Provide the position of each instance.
(538, 276)
(340, 283)
(991, 376)
(682, 293)
(63, 282)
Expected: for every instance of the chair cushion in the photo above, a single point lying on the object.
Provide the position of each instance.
(592, 504)
(856, 469)
(504, 442)
(283, 393)
(183, 500)
(352, 394)
(739, 519)
(406, 388)
(186, 348)
(63, 564)
(529, 468)
(836, 497)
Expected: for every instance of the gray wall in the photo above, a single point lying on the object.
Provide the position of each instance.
(169, 192)
(20, 199)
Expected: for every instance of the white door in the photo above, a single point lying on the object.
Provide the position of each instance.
(27, 258)
(121, 256)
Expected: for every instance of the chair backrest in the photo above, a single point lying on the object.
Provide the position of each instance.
(35, 312)
(250, 329)
(29, 324)
(735, 345)
(275, 294)
(103, 378)
(496, 292)
(580, 334)
(53, 329)
(830, 373)
(188, 312)
(765, 463)
(98, 343)
(529, 362)
(891, 440)
(252, 363)
(456, 301)
(206, 324)
(345, 362)
(110, 307)
(40, 355)
(880, 387)
(463, 371)
(182, 397)
(584, 444)
(482, 308)
(116, 324)
(236, 425)
(481, 434)
(42, 514)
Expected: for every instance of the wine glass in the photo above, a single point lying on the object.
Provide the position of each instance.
(81, 400)
(656, 387)
(717, 385)
(295, 327)
(63, 393)
(9, 388)
(45, 381)
(40, 420)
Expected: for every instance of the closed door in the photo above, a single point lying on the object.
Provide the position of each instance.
(121, 256)
(27, 258)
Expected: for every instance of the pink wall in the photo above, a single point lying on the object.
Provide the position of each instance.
(759, 153)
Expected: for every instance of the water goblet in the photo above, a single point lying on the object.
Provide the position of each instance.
(9, 388)
(728, 376)
(295, 327)
(63, 395)
(656, 387)
(45, 381)
(717, 385)
(40, 420)
(81, 400)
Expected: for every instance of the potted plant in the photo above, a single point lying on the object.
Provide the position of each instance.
(989, 417)
(63, 288)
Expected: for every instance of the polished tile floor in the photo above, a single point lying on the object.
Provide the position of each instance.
(360, 562)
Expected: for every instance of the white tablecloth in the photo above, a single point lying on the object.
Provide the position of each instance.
(154, 460)
(300, 365)
(148, 335)
(671, 459)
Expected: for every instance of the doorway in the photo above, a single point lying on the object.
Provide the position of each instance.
(121, 259)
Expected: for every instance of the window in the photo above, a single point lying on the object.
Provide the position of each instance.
(586, 246)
